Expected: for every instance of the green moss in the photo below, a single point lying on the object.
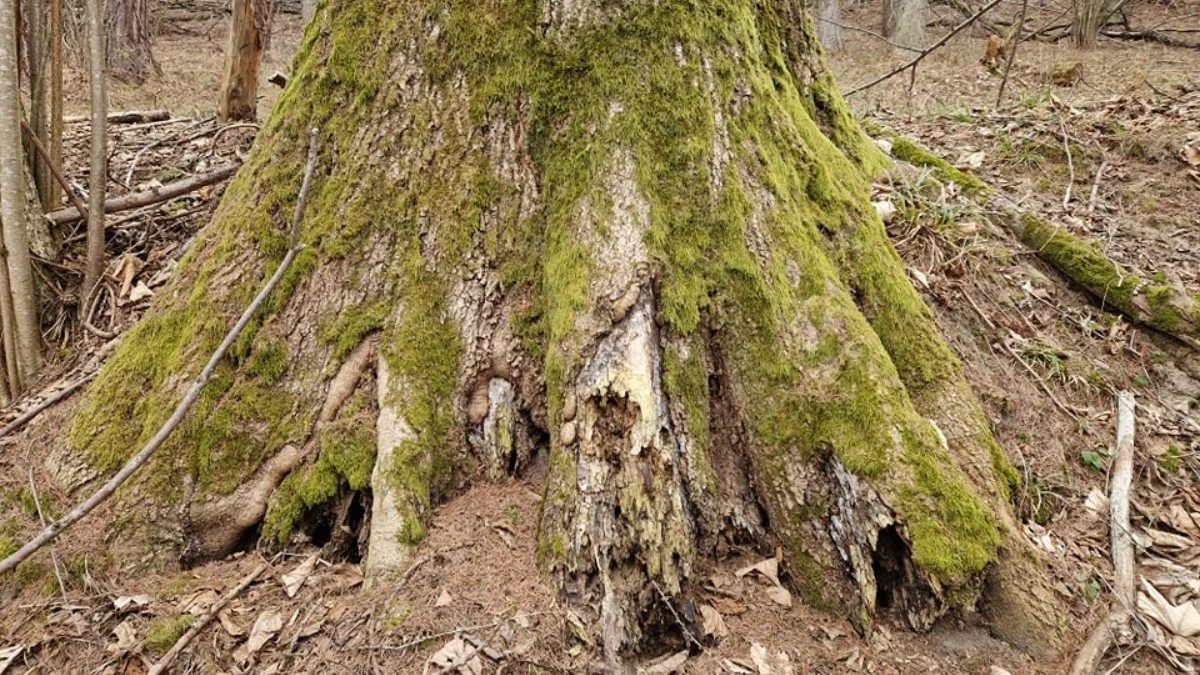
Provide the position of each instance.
(345, 460)
(906, 150)
(163, 633)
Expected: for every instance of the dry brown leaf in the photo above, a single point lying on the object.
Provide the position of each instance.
(232, 627)
(780, 596)
(769, 568)
(727, 606)
(131, 602)
(712, 622)
(457, 656)
(292, 581)
(126, 638)
(1183, 620)
(671, 664)
(266, 627)
(444, 599)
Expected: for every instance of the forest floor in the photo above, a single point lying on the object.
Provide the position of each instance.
(1114, 157)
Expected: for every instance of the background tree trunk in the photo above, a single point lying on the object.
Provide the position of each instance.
(127, 25)
(904, 22)
(55, 127)
(1090, 18)
(239, 90)
(829, 28)
(18, 300)
(98, 179)
(39, 77)
(308, 9)
(631, 241)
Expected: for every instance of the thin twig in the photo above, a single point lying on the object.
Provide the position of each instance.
(916, 60)
(1096, 188)
(1046, 388)
(683, 626)
(1070, 167)
(50, 533)
(1012, 52)
(38, 409)
(37, 503)
(864, 31)
(185, 639)
(421, 640)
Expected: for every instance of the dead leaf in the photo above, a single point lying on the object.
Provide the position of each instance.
(671, 664)
(8, 655)
(728, 607)
(126, 638)
(232, 627)
(506, 535)
(886, 210)
(780, 596)
(1183, 620)
(131, 602)
(292, 581)
(444, 599)
(712, 622)
(198, 603)
(769, 568)
(758, 654)
(1190, 154)
(266, 627)
(139, 291)
(457, 656)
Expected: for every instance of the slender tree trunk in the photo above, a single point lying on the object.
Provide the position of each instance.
(98, 179)
(904, 22)
(632, 240)
(55, 132)
(127, 27)
(308, 9)
(1090, 18)
(38, 52)
(240, 89)
(829, 28)
(20, 321)
(265, 16)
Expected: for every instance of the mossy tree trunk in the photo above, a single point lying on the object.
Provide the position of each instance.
(630, 240)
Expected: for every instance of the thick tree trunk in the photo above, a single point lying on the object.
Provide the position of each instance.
(904, 22)
(632, 239)
(239, 91)
(127, 25)
(829, 24)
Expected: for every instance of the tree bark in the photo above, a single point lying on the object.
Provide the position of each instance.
(829, 28)
(55, 132)
(308, 9)
(904, 22)
(632, 241)
(127, 26)
(98, 178)
(18, 300)
(239, 90)
(38, 55)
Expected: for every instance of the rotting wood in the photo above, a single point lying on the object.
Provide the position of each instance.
(100, 496)
(186, 639)
(1115, 628)
(152, 196)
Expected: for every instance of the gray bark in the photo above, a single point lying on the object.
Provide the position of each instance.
(904, 22)
(828, 20)
(98, 178)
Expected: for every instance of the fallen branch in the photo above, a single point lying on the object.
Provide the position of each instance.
(1116, 626)
(126, 117)
(1156, 304)
(148, 197)
(54, 170)
(1150, 36)
(50, 401)
(917, 59)
(50, 533)
(186, 639)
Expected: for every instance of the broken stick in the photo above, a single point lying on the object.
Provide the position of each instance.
(57, 527)
(1116, 626)
(147, 197)
(186, 639)
(124, 117)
